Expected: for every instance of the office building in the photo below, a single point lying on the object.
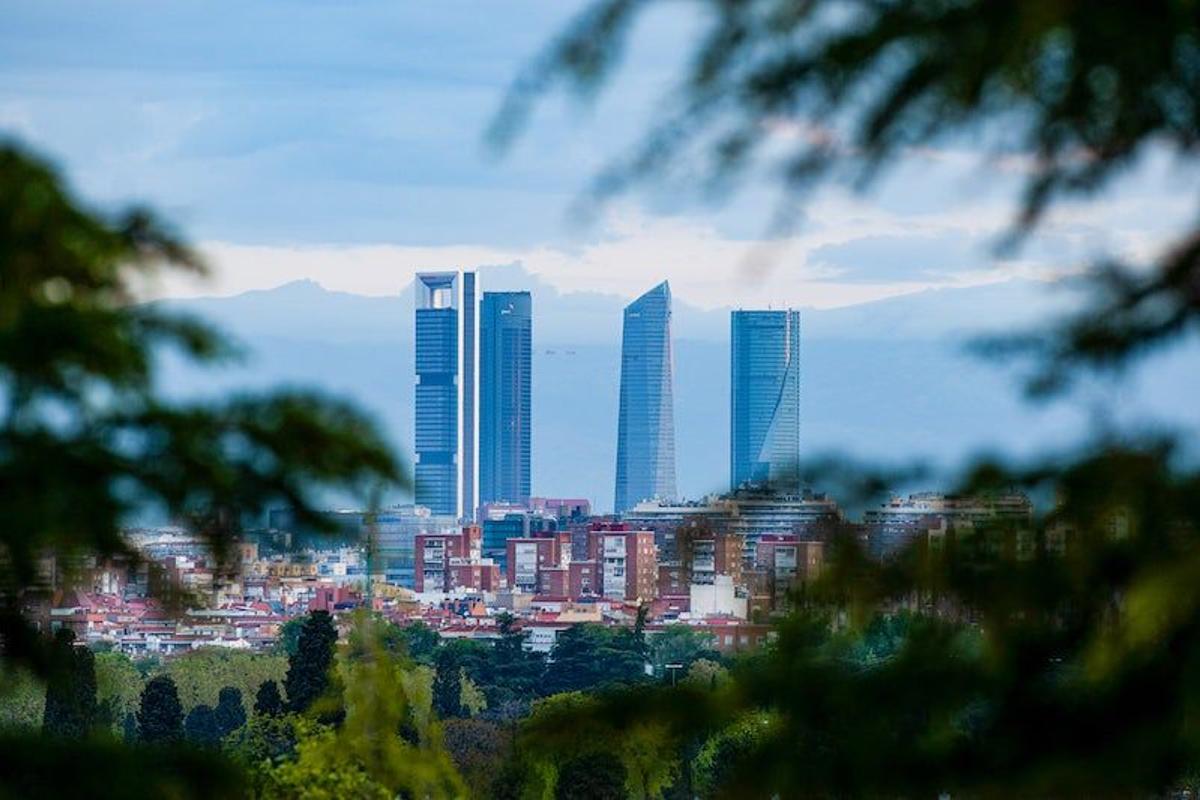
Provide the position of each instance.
(468, 396)
(444, 482)
(765, 400)
(646, 416)
(505, 397)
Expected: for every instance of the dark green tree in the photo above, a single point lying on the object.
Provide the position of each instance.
(160, 716)
(591, 656)
(71, 708)
(268, 701)
(591, 776)
(200, 726)
(510, 674)
(421, 643)
(230, 713)
(307, 677)
(447, 682)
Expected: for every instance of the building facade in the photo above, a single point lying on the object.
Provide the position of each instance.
(435, 438)
(646, 414)
(467, 509)
(765, 400)
(506, 397)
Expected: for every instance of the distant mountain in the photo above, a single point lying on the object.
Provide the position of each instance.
(883, 380)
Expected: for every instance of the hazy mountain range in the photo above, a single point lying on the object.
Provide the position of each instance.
(884, 380)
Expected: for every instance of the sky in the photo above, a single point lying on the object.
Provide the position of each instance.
(344, 143)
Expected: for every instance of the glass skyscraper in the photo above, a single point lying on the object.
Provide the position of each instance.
(765, 401)
(646, 416)
(505, 396)
(437, 418)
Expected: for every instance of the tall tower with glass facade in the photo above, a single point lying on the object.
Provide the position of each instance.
(439, 360)
(765, 401)
(646, 415)
(505, 396)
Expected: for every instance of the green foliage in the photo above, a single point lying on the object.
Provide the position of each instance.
(107, 769)
(268, 701)
(591, 776)
(724, 753)
(366, 755)
(202, 674)
(705, 674)
(160, 716)
(308, 670)
(22, 699)
(71, 709)
(118, 687)
(86, 440)
(455, 659)
(591, 656)
(682, 645)
(200, 726)
(512, 675)
(289, 636)
(230, 713)
(480, 750)
(421, 643)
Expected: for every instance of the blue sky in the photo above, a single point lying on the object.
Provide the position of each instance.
(343, 142)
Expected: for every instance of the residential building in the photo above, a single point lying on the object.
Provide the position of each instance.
(646, 417)
(627, 562)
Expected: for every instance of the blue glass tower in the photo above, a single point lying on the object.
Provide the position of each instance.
(765, 401)
(437, 419)
(646, 416)
(505, 396)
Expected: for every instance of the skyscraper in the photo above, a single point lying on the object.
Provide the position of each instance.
(505, 396)
(468, 397)
(765, 403)
(437, 417)
(646, 416)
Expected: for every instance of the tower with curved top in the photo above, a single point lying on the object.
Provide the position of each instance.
(765, 400)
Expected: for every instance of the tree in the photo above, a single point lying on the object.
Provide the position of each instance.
(268, 702)
(592, 776)
(201, 726)
(447, 683)
(512, 673)
(118, 687)
(590, 656)
(71, 708)
(421, 643)
(479, 748)
(230, 713)
(308, 670)
(160, 717)
(681, 645)
(366, 755)
(202, 674)
(86, 437)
